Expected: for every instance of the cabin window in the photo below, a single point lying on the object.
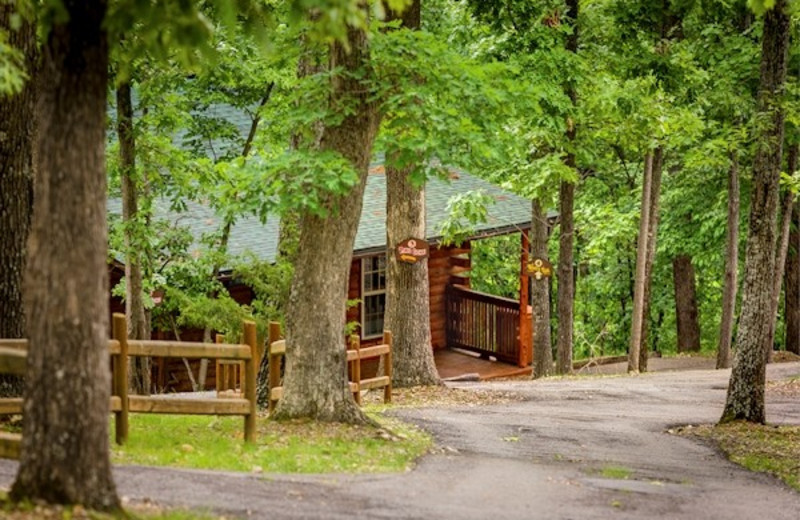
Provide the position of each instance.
(373, 295)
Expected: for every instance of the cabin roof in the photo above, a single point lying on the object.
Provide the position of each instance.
(509, 213)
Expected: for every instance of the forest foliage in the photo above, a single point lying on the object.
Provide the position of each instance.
(480, 87)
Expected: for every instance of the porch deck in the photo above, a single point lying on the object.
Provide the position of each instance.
(455, 363)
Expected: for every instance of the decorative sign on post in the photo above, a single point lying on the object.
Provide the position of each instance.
(539, 268)
(411, 250)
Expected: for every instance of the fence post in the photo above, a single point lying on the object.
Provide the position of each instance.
(249, 384)
(274, 379)
(120, 377)
(387, 367)
(355, 343)
(220, 371)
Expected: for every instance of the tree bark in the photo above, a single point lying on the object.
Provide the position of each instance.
(407, 289)
(315, 378)
(65, 450)
(407, 313)
(641, 269)
(17, 130)
(745, 398)
(652, 238)
(566, 198)
(540, 297)
(686, 304)
(134, 301)
(792, 292)
(730, 283)
(781, 254)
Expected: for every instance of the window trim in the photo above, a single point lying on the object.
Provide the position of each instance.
(365, 294)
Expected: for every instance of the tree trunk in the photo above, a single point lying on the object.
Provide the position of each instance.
(540, 297)
(407, 313)
(686, 304)
(566, 198)
(315, 379)
(641, 269)
(731, 268)
(134, 300)
(652, 238)
(17, 130)
(407, 288)
(781, 254)
(745, 398)
(65, 450)
(792, 292)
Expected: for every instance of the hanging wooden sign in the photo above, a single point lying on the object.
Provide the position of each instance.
(539, 268)
(411, 250)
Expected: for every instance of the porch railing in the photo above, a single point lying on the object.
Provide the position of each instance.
(482, 323)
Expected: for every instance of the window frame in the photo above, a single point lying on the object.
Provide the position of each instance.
(373, 292)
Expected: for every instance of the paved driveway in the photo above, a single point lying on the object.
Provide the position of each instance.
(551, 456)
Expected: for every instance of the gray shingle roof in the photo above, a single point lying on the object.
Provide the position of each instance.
(510, 213)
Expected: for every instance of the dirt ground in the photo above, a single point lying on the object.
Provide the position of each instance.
(588, 448)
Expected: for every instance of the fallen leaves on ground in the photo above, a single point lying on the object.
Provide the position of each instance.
(435, 396)
(764, 448)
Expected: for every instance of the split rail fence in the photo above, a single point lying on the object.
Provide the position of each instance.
(355, 355)
(13, 354)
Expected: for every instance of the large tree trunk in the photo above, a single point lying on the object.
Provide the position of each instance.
(540, 297)
(792, 292)
(17, 129)
(134, 301)
(686, 304)
(65, 451)
(641, 269)
(407, 289)
(566, 285)
(566, 197)
(781, 254)
(315, 380)
(745, 399)
(652, 238)
(407, 313)
(729, 286)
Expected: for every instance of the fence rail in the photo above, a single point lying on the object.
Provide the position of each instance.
(13, 354)
(355, 355)
(482, 323)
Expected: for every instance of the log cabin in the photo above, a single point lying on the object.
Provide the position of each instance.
(491, 326)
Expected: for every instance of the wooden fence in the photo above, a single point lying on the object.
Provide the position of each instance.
(13, 355)
(355, 355)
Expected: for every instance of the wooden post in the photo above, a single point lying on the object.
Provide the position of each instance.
(525, 321)
(249, 383)
(355, 344)
(387, 364)
(120, 377)
(274, 379)
(220, 369)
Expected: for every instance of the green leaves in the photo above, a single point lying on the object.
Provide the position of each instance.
(465, 211)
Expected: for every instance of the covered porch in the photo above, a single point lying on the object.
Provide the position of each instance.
(488, 336)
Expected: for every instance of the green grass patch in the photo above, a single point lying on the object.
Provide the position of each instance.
(210, 442)
(616, 472)
(767, 449)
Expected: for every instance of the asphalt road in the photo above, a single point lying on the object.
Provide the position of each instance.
(550, 456)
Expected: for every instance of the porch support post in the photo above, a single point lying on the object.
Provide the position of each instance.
(525, 318)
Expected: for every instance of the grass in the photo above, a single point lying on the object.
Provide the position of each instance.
(616, 472)
(208, 442)
(27, 511)
(768, 449)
